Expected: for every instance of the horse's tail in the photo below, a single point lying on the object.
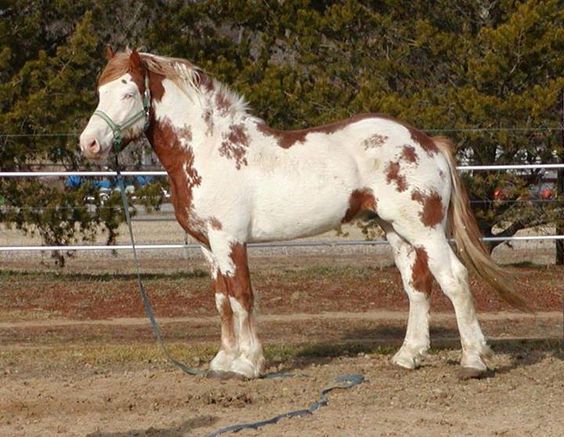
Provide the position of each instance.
(467, 235)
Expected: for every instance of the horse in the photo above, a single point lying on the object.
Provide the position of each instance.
(236, 180)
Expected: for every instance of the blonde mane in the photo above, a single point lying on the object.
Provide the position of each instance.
(188, 77)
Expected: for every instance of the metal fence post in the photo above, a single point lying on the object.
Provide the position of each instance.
(560, 187)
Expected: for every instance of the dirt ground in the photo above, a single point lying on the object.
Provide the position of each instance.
(77, 357)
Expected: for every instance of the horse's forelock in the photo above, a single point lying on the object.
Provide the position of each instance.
(116, 67)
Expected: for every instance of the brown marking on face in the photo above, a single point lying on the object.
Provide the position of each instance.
(120, 64)
(433, 211)
(287, 139)
(178, 161)
(234, 145)
(222, 103)
(374, 141)
(393, 175)
(409, 154)
(215, 223)
(424, 140)
(358, 201)
(421, 277)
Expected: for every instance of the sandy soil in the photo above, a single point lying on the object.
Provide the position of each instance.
(77, 357)
(525, 397)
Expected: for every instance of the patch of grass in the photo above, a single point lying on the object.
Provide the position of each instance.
(36, 314)
(101, 356)
(99, 277)
(138, 355)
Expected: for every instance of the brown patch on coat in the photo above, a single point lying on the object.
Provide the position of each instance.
(409, 154)
(424, 140)
(222, 103)
(156, 86)
(208, 120)
(358, 201)
(421, 277)
(206, 83)
(228, 337)
(287, 139)
(234, 145)
(215, 223)
(178, 161)
(433, 211)
(185, 134)
(239, 284)
(393, 175)
(374, 141)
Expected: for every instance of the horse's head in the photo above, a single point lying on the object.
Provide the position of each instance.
(122, 111)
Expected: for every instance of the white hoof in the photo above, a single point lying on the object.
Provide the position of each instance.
(473, 361)
(222, 362)
(407, 358)
(245, 367)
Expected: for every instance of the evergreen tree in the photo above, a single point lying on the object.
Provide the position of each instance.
(487, 74)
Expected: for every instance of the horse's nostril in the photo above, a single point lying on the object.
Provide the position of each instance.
(93, 147)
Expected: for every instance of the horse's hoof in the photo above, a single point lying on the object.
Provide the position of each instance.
(405, 360)
(224, 375)
(466, 373)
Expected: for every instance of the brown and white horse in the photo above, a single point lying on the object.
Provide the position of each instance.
(234, 180)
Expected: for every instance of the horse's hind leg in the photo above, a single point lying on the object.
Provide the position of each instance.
(417, 283)
(452, 277)
(232, 264)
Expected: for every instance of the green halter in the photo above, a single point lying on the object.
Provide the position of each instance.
(117, 129)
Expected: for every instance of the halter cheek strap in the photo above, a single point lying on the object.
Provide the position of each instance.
(118, 129)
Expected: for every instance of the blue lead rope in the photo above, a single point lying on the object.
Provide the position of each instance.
(144, 296)
(342, 382)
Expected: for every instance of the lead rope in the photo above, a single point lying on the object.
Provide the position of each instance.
(144, 296)
(342, 382)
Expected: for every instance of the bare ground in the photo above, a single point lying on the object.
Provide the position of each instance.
(77, 357)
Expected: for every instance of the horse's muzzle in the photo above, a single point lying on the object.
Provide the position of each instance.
(90, 148)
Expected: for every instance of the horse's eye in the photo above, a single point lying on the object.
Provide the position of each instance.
(128, 96)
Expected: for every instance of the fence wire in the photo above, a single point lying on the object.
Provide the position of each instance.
(306, 243)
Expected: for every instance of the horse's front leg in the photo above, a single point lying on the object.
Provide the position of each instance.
(228, 350)
(234, 282)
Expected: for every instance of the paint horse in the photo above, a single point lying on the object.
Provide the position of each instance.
(235, 180)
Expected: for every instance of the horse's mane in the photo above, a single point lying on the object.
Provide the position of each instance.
(188, 77)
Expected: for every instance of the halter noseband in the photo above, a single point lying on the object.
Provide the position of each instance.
(117, 129)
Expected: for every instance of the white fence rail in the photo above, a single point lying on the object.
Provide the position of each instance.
(306, 243)
(27, 174)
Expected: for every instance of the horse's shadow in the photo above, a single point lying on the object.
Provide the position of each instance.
(526, 352)
(386, 340)
(185, 428)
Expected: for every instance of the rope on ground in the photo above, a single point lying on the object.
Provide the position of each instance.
(342, 382)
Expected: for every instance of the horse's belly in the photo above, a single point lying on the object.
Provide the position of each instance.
(294, 214)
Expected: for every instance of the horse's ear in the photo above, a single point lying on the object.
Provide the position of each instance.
(109, 52)
(135, 60)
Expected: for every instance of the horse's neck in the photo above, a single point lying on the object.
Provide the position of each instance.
(196, 121)
(185, 125)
